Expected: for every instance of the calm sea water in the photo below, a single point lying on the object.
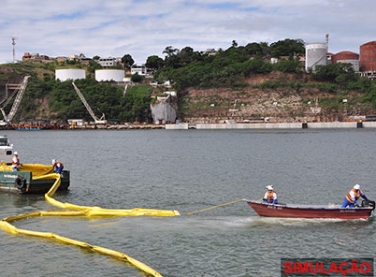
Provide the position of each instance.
(190, 170)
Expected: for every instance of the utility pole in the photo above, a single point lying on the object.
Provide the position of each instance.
(14, 49)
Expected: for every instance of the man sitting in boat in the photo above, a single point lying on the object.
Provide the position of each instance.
(270, 196)
(15, 162)
(353, 196)
(58, 166)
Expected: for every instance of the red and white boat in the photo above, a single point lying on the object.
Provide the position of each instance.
(312, 211)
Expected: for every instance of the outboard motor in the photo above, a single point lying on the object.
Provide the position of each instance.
(368, 203)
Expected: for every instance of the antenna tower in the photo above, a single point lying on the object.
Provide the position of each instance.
(14, 49)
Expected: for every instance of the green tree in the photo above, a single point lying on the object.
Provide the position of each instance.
(154, 62)
(288, 66)
(187, 56)
(127, 60)
(287, 47)
(331, 71)
(265, 49)
(136, 78)
(370, 98)
(169, 51)
(253, 49)
(137, 105)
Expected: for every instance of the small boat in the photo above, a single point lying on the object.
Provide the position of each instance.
(31, 178)
(312, 211)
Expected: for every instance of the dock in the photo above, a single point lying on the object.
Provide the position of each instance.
(267, 125)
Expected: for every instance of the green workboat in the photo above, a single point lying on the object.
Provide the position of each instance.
(30, 178)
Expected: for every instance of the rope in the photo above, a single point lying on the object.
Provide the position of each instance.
(217, 206)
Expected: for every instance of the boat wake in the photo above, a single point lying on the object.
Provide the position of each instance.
(266, 221)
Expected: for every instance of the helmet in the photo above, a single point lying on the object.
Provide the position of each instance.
(356, 186)
(15, 153)
(53, 161)
(270, 187)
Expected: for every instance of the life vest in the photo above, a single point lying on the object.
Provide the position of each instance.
(58, 164)
(15, 161)
(355, 193)
(270, 196)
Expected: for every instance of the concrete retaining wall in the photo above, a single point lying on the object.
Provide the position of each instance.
(309, 125)
(180, 126)
(331, 125)
(251, 126)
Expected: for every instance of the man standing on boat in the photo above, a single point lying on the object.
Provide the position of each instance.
(15, 161)
(58, 166)
(353, 196)
(270, 196)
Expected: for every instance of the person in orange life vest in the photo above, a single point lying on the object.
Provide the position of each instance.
(270, 196)
(353, 196)
(58, 166)
(15, 161)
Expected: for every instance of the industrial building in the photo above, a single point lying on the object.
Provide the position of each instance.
(164, 110)
(367, 59)
(69, 74)
(347, 57)
(364, 62)
(102, 75)
(316, 54)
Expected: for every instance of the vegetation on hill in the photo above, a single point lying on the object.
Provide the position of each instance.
(228, 68)
(232, 73)
(51, 100)
(210, 84)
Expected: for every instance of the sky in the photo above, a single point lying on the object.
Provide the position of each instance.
(143, 28)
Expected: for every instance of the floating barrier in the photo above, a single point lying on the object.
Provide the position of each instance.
(6, 225)
(98, 211)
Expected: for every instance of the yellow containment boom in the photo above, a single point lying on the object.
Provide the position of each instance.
(6, 225)
(97, 211)
(36, 169)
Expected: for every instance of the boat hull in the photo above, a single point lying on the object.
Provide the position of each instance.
(23, 182)
(44, 185)
(305, 211)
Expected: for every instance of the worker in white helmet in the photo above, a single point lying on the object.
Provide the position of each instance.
(352, 197)
(270, 196)
(58, 166)
(15, 161)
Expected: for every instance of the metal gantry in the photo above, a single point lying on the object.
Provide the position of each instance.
(8, 118)
(97, 120)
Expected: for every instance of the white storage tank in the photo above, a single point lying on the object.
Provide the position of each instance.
(315, 55)
(69, 74)
(116, 75)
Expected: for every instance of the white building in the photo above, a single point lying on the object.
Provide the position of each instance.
(107, 62)
(140, 70)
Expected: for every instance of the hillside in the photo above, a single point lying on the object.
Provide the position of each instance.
(261, 101)
(274, 96)
(242, 83)
(54, 102)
